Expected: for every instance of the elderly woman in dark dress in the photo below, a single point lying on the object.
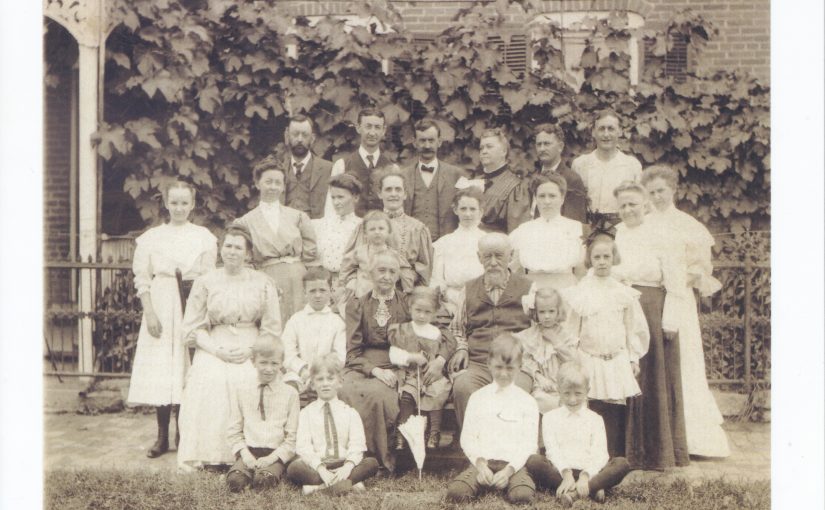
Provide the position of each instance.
(369, 379)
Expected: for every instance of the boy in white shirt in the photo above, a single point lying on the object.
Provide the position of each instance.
(331, 442)
(577, 462)
(500, 431)
(263, 421)
(312, 332)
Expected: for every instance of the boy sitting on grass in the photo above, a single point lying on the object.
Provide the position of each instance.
(263, 420)
(312, 332)
(331, 442)
(576, 443)
(500, 431)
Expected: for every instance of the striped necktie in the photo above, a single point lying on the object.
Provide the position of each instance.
(331, 432)
(261, 406)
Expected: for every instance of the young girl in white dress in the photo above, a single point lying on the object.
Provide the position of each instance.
(455, 255)
(549, 248)
(227, 309)
(547, 344)
(691, 243)
(161, 359)
(606, 316)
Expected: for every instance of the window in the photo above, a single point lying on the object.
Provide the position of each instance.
(515, 52)
(576, 27)
(676, 58)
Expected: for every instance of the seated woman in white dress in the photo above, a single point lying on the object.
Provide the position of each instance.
(226, 310)
(549, 248)
(691, 242)
(455, 255)
(161, 359)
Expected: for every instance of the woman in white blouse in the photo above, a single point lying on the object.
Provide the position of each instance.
(161, 360)
(334, 231)
(656, 418)
(549, 248)
(455, 255)
(691, 243)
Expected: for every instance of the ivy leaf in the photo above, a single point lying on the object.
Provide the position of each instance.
(134, 186)
(209, 98)
(121, 59)
(457, 108)
(514, 97)
(113, 138)
(419, 92)
(144, 130)
(682, 140)
(475, 90)
(131, 20)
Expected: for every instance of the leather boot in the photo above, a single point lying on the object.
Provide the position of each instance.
(434, 429)
(161, 446)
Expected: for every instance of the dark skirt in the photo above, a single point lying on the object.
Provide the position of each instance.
(377, 404)
(656, 437)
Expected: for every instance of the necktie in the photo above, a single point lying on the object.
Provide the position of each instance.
(371, 162)
(261, 402)
(298, 167)
(427, 169)
(331, 432)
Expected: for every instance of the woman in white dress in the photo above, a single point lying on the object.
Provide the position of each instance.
(691, 242)
(455, 255)
(227, 310)
(161, 359)
(334, 231)
(549, 248)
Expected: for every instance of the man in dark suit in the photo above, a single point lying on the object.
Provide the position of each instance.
(307, 176)
(431, 182)
(364, 162)
(549, 146)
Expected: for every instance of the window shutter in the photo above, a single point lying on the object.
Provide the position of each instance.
(514, 52)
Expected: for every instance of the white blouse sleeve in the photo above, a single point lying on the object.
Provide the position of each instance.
(638, 334)
(142, 264)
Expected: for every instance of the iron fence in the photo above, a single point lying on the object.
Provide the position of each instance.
(735, 321)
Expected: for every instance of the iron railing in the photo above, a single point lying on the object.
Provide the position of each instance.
(735, 322)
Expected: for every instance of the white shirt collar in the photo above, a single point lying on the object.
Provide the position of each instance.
(309, 310)
(332, 402)
(271, 206)
(555, 167)
(579, 412)
(433, 163)
(504, 389)
(303, 162)
(363, 153)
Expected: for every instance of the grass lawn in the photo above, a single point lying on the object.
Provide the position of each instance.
(99, 490)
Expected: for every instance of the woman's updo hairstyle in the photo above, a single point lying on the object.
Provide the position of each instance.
(268, 163)
(629, 186)
(664, 172)
(500, 135)
(238, 229)
(555, 178)
(177, 185)
(346, 182)
(469, 192)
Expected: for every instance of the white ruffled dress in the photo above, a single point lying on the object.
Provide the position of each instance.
(606, 316)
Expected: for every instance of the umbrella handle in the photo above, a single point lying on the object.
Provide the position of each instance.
(418, 374)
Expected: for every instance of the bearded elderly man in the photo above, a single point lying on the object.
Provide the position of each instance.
(489, 306)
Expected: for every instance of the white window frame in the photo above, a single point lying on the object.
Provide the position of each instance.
(570, 21)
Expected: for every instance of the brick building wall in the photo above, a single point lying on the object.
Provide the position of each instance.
(743, 42)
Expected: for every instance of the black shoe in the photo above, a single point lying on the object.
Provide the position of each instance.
(400, 443)
(160, 447)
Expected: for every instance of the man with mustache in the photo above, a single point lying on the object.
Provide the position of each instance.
(549, 146)
(491, 305)
(307, 175)
(431, 182)
(605, 168)
(371, 127)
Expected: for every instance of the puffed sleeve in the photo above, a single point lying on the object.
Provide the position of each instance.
(309, 248)
(518, 206)
(271, 316)
(209, 256)
(438, 277)
(675, 283)
(355, 338)
(195, 318)
(399, 348)
(142, 264)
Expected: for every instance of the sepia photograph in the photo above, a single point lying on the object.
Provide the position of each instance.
(407, 254)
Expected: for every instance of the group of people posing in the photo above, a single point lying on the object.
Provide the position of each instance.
(359, 293)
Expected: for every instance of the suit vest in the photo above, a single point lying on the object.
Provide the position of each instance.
(298, 193)
(425, 203)
(355, 166)
(485, 320)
